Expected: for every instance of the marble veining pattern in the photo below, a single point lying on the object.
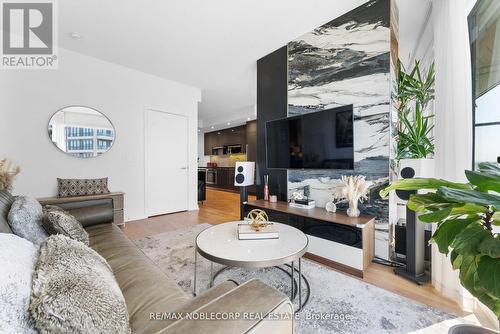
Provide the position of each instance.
(347, 61)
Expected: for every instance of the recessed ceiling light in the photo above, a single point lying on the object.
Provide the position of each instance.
(228, 123)
(75, 35)
(248, 118)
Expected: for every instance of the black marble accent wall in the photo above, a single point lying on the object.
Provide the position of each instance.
(347, 61)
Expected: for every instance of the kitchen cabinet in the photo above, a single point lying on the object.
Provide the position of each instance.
(225, 179)
(224, 137)
(210, 142)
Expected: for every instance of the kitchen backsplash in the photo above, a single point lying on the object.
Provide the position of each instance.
(228, 160)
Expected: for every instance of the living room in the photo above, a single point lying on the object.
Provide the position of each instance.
(250, 167)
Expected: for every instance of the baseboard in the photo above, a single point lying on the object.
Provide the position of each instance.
(335, 265)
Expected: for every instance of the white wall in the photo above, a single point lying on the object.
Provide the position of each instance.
(202, 158)
(30, 97)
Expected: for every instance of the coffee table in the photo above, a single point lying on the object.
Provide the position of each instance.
(220, 244)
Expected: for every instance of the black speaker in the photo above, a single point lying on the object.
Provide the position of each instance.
(414, 234)
(405, 173)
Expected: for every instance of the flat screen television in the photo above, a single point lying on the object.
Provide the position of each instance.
(317, 140)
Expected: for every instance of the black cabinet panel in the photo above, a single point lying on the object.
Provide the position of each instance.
(343, 234)
(272, 97)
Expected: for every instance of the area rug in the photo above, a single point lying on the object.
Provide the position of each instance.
(338, 303)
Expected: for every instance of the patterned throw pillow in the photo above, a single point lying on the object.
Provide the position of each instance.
(58, 221)
(82, 187)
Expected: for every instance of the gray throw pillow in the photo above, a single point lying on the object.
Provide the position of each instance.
(17, 262)
(25, 217)
(74, 291)
(57, 221)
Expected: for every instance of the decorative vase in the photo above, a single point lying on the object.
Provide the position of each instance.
(331, 207)
(353, 210)
(266, 187)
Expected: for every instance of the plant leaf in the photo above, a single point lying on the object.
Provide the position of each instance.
(484, 180)
(436, 216)
(448, 231)
(468, 240)
(488, 272)
(491, 302)
(491, 167)
(491, 247)
(469, 196)
(468, 209)
(421, 183)
(468, 269)
(496, 218)
(456, 259)
(425, 202)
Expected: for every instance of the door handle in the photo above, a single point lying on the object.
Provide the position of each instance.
(184, 168)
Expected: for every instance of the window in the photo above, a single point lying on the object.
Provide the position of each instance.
(484, 32)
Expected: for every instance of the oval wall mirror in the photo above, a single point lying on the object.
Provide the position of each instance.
(81, 131)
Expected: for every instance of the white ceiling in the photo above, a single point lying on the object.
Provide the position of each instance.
(213, 45)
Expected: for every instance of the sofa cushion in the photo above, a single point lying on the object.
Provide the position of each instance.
(25, 217)
(145, 287)
(74, 291)
(17, 261)
(57, 221)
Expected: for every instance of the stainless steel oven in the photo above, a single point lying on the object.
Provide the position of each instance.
(211, 176)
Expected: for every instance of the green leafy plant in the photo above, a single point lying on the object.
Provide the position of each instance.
(414, 91)
(465, 214)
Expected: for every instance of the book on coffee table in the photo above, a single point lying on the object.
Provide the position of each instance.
(246, 232)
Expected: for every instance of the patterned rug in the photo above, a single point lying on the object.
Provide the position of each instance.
(338, 303)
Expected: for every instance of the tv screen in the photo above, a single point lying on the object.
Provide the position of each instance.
(317, 140)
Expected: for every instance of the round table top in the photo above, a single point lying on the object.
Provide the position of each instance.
(220, 244)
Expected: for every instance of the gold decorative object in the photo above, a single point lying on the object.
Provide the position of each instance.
(258, 219)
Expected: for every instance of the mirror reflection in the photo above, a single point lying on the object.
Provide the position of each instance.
(81, 131)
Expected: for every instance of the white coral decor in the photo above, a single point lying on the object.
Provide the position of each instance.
(353, 189)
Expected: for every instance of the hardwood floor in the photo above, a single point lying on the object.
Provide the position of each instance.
(220, 207)
(223, 206)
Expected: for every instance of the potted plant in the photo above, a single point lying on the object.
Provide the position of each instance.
(466, 215)
(415, 145)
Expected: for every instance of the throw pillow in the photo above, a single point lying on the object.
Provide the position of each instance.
(82, 187)
(17, 262)
(57, 221)
(74, 291)
(25, 217)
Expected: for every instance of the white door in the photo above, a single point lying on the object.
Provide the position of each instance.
(166, 162)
